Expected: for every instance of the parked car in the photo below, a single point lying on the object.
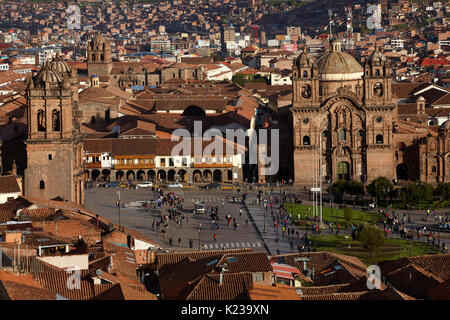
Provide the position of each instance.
(113, 184)
(146, 184)
(199, 207)
(175, 185)
(213, 186)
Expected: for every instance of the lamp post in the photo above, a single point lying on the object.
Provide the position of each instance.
(199, 231)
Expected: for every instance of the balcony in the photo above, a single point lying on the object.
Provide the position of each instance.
(93, 165)
(212, 165)
(120, 166)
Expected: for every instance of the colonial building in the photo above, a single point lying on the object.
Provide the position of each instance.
(343, 115)
(54, 147)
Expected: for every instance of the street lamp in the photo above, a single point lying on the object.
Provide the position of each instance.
(199, 231)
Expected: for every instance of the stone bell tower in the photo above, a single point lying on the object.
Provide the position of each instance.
(54, 145)
(99, 57)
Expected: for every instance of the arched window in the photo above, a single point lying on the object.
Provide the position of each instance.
(305, 74)
(42, 185)
(41, 120)
(93, 57)
(377, 72)
(92, 119)
(56, 120)
(379, 139)
(107, 115)
(433, 169)
(306, 141)
(342, 134)
(102, 57)
(50, 157)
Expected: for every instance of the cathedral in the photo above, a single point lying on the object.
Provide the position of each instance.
(343, 116)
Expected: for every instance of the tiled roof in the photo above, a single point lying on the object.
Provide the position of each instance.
(278, 292)
(319, 290)
(23, 287)
(166, 261)
(8, 184)
(246, 262)
(38, 214)
(440, 292)
(6, 215)
(234, 286)
(36, 239)
(334, 296)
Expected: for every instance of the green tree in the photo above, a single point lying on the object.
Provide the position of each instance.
(239, 79)
(379, 188)
(362, 217)
(419, 192)
(371, 238)
(348, 215)
(443, 191)
(339, 188)
(355, 188)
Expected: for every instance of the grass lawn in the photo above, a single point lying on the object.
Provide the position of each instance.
(389, 250)
(328, 215)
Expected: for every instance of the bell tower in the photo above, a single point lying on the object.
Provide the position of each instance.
(54, 145)
(377, 80)
(99, 57)
(305, 81)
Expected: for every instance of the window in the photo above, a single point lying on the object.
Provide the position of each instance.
(41, 120)
(305, 74)
(49, 157)
(377, 72)
(433, 169)
(360, 133)
(171, 162)
(92, 119)
(56, 120)
(42, 185)
(379, 139)
(379, 119)
(306, 121)
(258, 276)
(93, 57)
(306, 141)
(342, 134)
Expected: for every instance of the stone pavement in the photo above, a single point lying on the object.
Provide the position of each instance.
(256, 215)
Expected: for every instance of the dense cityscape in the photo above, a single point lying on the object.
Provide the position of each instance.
(227, 150)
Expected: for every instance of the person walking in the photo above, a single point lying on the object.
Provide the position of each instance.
(215, 236)
(240, 212)
(179, 242)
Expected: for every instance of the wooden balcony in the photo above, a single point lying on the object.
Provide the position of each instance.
(93, 165)
(119, 166)
(212, 165)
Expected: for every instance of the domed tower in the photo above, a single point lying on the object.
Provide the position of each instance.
(54, 145)
(305, 81)
(99, 57)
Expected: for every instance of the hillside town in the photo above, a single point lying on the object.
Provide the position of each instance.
(97, 201)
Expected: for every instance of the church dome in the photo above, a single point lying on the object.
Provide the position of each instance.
(59, 65)
(338, 65)
(304, 59)
(47, 75)
(376, 58)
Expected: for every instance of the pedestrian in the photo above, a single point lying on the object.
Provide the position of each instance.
(215, 236)
(190, 243)
(278, 251)
(240, 212)
(179, 242)
(170, 241)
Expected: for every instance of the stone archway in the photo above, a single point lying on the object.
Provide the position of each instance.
(151, 174)
(197, 176)
(119, 175)
(140, 175)
(95, 174)
(207, 176)
(161, 175)
(182, 174)
(171, 175)
(217, 175)
(106, 174)
(131, 175)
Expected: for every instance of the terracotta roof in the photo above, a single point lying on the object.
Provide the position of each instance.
(334, 296)
(6, 215)
(278, 292)
(165, 262)
(8, 184)
(23, 287)
(37, 239)
(38, 214)
(440, 292)
(233, 287)
(319, 290)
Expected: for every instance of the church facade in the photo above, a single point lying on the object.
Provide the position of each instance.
(343, 117)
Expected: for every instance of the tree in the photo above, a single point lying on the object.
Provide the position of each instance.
(379, 188)
(339, 188)
(355, 188)
(419, 192)
(362, 217)
(443, 191)
(239, 79)
(371, 238)
(348, 214)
